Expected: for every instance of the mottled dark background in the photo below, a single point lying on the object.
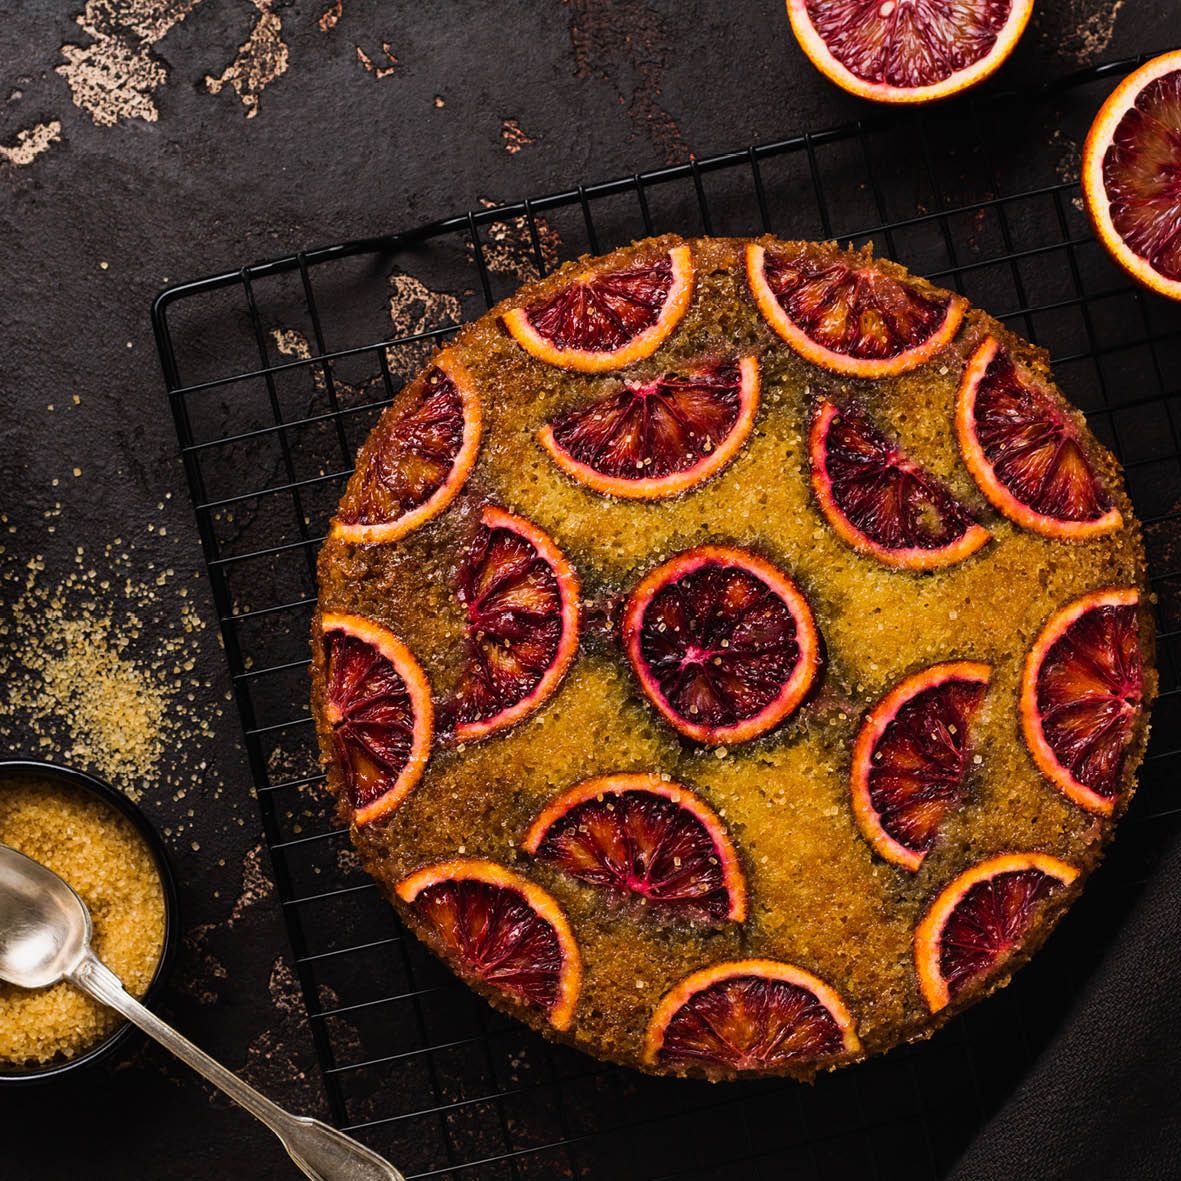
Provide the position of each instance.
(147, 141)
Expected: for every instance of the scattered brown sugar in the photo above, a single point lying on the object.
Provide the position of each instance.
(106, 861)
(116, 707)
(98, 666)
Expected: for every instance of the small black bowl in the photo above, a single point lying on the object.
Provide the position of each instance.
(31, 768)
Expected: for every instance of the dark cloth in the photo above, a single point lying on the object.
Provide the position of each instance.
(1103, 1100)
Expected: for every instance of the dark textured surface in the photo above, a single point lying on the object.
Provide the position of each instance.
(166, 180)
(1102, 1102)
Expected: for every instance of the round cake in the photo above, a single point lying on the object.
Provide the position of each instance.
(732, 656)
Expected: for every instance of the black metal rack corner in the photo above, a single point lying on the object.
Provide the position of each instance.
(275, 373)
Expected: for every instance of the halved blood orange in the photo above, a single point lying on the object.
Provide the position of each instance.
(496, 927)
(911, 756)
(1082, 695)
(907, 51)
(979, 919)
(416, 459)
(881, 502)
(607, 317)
(378, 703)
(749, 1015)
(660, 437)
(1132, 174)
(722, 643)
(640, 834)
(1025, 452)
(521, 598)
(841, 310)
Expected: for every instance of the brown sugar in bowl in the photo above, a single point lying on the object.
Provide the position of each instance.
(95, 1034)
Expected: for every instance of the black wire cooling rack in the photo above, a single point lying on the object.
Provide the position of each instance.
(275, 374)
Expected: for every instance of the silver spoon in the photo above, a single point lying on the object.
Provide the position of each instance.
(45, 937)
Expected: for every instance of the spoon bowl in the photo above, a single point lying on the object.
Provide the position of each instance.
(45, 929)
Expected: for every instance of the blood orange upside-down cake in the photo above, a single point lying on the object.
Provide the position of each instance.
(732, 656)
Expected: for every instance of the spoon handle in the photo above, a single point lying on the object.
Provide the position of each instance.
(321, 1152)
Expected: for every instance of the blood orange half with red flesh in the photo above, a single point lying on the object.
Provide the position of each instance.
(661, 437)
(1025, 451)
(521, 598)
(1082, 696)
(496, 927)
(1132, 174)
(417, 458)
(911, 756)
(722, 643)
(980, 919)
(609, 316)
(881, 502)
(847, 313)
(749, 1016)
(907, 51)
(378, 704)
(640, 834)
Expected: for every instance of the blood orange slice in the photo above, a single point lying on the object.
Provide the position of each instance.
(521, 597)
(911, 755)
(608, 316)
(416, 459)
(978, 921)
(639, 834)
(378, 704)
(1132, 174)
(907, 51)
(879, 501)
(496, 928)
(842, 310)
(1026, 452)
(749, 1016)
(1082, 694)
(661, 437)
(723, 643)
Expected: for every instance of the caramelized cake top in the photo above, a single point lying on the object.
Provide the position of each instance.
(717, 634)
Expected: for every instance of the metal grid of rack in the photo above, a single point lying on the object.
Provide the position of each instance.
(275, 374)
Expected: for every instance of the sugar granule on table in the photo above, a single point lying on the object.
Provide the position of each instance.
(97, 669)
